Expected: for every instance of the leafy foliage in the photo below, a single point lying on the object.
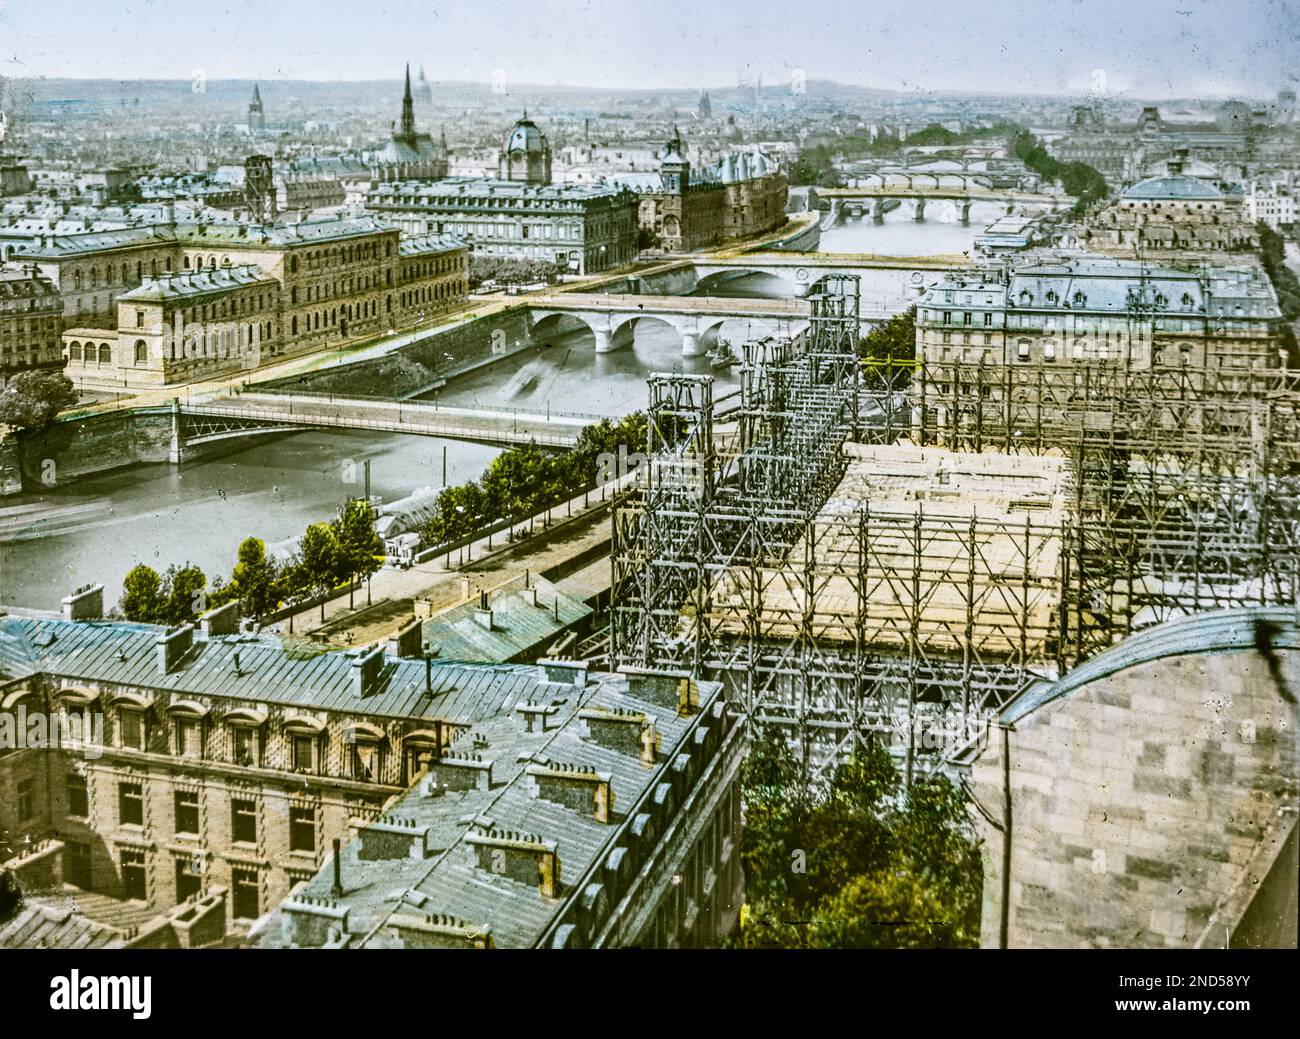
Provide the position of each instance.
(31, 400)
(1285, 284)
(175, 597)
(1078, 179)
(862, 865)
(506, 270)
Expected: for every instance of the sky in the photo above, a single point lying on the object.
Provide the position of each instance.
(1142, 48)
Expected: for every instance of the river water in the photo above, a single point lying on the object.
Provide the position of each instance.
(98, 528)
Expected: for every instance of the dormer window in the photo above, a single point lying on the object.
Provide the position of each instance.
(1026, 296)
(1080, 299)
(1051, 296)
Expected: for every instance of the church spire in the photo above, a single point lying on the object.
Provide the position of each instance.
(408, 107)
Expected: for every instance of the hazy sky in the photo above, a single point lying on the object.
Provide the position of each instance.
(1151, 48)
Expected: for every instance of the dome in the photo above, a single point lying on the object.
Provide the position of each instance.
(526, 137)
(1175, 186)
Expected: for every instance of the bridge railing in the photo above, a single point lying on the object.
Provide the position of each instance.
(433, 405)
(403, 422)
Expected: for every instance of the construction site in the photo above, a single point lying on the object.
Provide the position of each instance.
(894, 550)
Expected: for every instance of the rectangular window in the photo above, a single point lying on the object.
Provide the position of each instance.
(130, 804)
(189, 737)
(302, 829)
(245, 745)
(76, 870)
(1022, 350)
(365, 761)
(78, 795)
(26, 798)
(988, 320)
(243, 821)
(130, 725)
(246, 901)
(187, 811)
(134, 880)
(302, 749)
(188, 883)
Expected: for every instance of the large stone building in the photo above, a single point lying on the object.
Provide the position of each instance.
(582, 229)
(226, 762)
(1171, 216)
(683, 209)
(30, 309)
(1147, 798)
(1090, 310)
(339, 280)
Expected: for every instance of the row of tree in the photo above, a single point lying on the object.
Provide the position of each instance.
(330, 555)
(1078, 179)
(524, 480)
(510, 270)
(865, 864)
(1272, 249)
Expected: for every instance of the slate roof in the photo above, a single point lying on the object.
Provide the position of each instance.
(271, 670)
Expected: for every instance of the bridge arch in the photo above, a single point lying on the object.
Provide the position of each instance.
(717, 279)
(622, 330)
(547, 326)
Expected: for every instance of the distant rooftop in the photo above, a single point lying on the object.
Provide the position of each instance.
(1174, 187)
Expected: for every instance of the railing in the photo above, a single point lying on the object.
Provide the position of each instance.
(402, 424)
(437, 406)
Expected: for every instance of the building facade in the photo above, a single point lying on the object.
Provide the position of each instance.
(1170, 216)
(582, 229)
(339, 280)
(1088, 311)
(30, 311)
(409, 154)
(211, 760)
(682, 209)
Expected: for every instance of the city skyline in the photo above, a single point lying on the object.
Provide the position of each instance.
(1174, 48)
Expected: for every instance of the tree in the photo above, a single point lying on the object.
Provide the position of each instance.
(859, 863)
(31, 400)
(182, 594)
(358, 543)
(321, 560)
(140, 594)
(254, 579)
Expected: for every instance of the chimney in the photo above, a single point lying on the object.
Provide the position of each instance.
(525, 857)
(408, 643)
(85, 604)
(171, 646)
(483, 613)
(569, 673)
(624, 731)
(224, 620)
(366, 667)
(466, 587)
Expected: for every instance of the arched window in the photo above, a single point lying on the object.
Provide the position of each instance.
(74, 352)
(105, 354)
(141, 351)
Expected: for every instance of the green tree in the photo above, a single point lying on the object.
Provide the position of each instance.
(182, 594)
(31, 400)
(254, 578)
(141, 599)
(859, 863)
(321, 561)
(359, 545)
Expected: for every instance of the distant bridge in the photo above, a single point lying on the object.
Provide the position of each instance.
(871, 198)
(612, 318)
(800, 274)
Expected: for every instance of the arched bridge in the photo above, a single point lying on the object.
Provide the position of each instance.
(923, 188)
(697, 319)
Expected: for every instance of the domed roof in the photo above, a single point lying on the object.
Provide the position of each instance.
(1173, 186)
(526, 137)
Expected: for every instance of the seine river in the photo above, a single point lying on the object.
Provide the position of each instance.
(99, 528)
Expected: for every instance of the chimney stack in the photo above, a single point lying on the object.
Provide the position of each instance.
(85, 604)
(483, 613)
(171, 646)
(366, 667)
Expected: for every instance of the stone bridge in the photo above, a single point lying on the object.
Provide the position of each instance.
(612, 318)
(923, 188)
(800, 273)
